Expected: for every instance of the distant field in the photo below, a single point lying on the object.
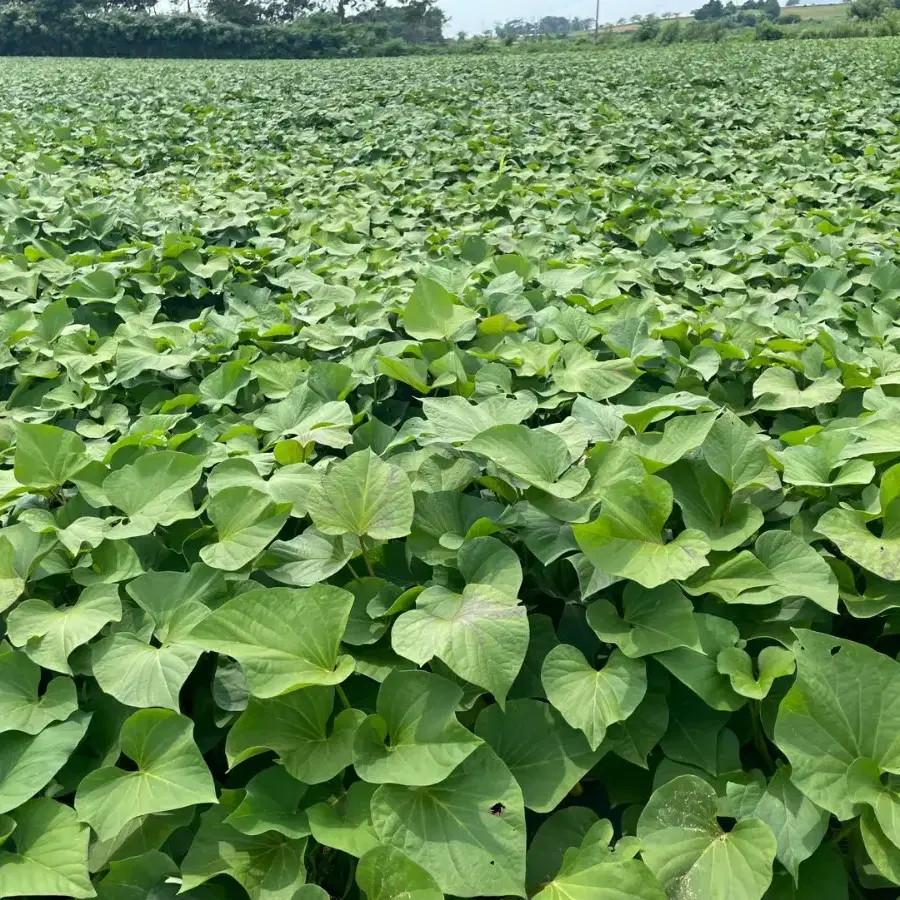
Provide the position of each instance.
(811, 12)
(819, 11)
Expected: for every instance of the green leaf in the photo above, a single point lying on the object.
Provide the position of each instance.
(363, 495)
(303, 416)
(536, 456)
(309, 558)
(652, 621)
(11, 585)
(346, 823)
(592, 700)
(48, 633)
(414, 738)
(246, 522)
(797, 569)
(626, 539)
(545, 756)
(839, 711)
(680, 436)
(138, 674)
(735, 453)
(442, 522)
(811, 464)
(883, 852)
(707, 505)
(170, 774)
(822, 877)
(776, 389)
(487, 560)
(595, 871)
(696, 734)
(28, 762)
(21, 707)
(468, 832)
(772, 663)
(98, 286)
(848, 530)
(384, 873)
(271, 803)
(729, 576)
(268, 866)
(578, 371)
(295, 726)
(630, 338)
(698, 669)
(685, 847)
(148, 488)
(798, 824)
(636, 737)
(220, 388)
(565, 828)
(49, 856)
(136, 877)
(454, 420)
(47, 456)
(283, 638)
(177, 601)
(481, 634)
(431, 313)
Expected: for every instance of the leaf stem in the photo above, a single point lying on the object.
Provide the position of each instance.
(343, 695)
(759, 736)
(352, 570)
(362, 548)
(351, 872)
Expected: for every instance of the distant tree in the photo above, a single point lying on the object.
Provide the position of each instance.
(240, 12)
(792, 3)
(415, 23)
(771, 9)
(671, 33)
(648, 29)
(868, 9)
(461, 35)
(712, 9)
(554, 25)
(132, 5)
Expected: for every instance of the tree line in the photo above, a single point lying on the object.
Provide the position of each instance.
(517, 28)
(238, 12)
(218, 28)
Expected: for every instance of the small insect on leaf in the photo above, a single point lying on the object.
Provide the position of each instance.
(498, 809)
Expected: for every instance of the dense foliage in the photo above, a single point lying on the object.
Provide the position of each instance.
(449, 477)
(546, 25)
(40, 28)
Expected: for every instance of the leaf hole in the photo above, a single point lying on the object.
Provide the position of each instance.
(498, 809)
(835, 650)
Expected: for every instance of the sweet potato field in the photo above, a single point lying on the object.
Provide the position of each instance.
(452, 477)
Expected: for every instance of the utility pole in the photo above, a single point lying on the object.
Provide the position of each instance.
(597, 23)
